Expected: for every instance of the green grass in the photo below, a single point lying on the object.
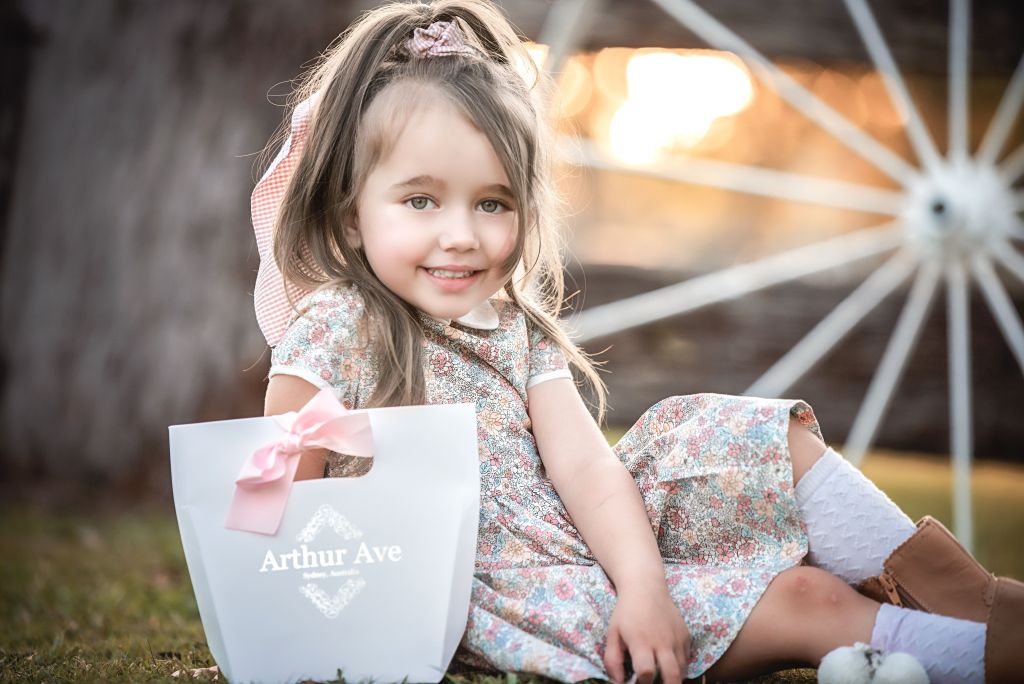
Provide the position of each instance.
(105, 595)
(95, 597)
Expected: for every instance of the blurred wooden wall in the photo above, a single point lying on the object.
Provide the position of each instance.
(129, 130)
(128, 255)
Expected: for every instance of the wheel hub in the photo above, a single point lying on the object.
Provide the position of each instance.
(959, 209)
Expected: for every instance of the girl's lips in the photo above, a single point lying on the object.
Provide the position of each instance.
(453, 284)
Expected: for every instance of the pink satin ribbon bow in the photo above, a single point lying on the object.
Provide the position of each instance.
(265, 481)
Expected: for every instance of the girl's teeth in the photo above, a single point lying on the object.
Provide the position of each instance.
(449, 274)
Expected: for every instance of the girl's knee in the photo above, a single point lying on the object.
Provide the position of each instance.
(798, 606)
(805, 448)
(807, 592)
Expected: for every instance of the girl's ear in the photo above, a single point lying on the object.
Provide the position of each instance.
(352, 236)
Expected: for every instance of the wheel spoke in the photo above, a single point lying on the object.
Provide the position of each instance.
(958, 329)
(890, 368)
(1001, 306)
(877, 48)
(1009, 257)
(735, 281)
(959, 68)
(566, 22)
(1017, 230)
(714, 33)
(1002, 120)
(752, 180)
(834, 327)
(1012, 167)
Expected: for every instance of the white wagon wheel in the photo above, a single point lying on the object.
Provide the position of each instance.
(952, 217)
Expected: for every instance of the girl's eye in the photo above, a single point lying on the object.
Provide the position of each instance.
(419, 203)
(492, 206)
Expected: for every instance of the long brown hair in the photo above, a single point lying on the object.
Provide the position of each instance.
(352, 128)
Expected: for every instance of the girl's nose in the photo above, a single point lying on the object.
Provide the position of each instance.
(458, 233)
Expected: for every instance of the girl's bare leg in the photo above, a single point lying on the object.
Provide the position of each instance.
(803, 614)
(805, 448)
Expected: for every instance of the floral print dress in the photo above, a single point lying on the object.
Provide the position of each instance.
(713, 470)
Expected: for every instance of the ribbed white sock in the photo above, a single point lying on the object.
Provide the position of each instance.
(951, 650)
(852, 526)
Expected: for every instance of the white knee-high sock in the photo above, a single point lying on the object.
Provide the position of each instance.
(950, 650)
(852, 526)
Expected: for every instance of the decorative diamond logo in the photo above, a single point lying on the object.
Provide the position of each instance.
(326, 515)
(330, 606)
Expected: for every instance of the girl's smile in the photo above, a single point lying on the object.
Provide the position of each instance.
(453, 278)
(436, 218)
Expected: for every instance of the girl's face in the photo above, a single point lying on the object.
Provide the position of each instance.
(436, 217)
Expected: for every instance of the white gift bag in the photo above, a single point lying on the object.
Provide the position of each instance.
(368, 575)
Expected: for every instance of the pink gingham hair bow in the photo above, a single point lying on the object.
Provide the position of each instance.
(271, 293)
(439, 39)
(263, 485)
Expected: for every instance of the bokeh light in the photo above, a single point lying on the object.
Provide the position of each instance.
(538, 53)
(575, 88)
(538, 56)
(610, 72)
(673, 100)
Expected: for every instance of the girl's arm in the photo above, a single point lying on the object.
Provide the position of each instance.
(605, 505)
(290, 393)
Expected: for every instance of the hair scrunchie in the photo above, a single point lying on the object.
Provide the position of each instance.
(437, 40)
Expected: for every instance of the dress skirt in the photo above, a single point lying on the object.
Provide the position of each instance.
(716, 479)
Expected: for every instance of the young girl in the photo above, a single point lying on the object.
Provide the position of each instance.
(409, 256)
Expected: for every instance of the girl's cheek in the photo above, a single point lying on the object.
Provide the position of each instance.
(508, 238)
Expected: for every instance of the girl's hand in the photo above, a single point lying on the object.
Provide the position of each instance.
(647, 624)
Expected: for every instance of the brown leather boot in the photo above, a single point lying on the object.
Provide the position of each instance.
(1004, 638)
(932, 572)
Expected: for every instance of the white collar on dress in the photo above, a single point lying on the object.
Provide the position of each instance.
(483, 316)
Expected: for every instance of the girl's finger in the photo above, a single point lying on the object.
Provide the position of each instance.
(670, 666)
(613, 656)
(682, 652)
(643, 665)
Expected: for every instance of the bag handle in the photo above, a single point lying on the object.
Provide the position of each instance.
(264, 483)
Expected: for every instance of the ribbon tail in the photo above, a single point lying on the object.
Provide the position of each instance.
(260, 509)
